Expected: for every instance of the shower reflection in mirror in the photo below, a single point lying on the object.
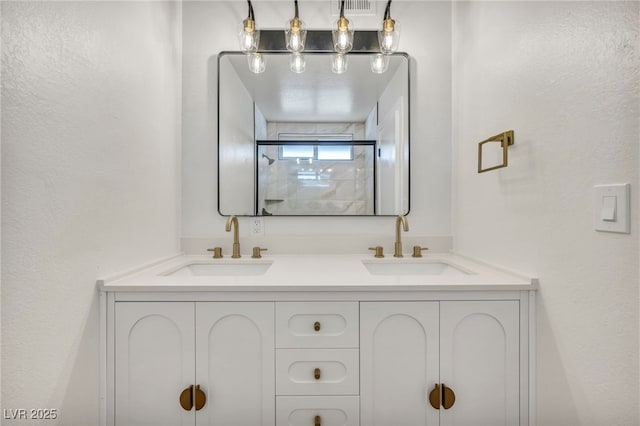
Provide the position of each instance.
(316, 175)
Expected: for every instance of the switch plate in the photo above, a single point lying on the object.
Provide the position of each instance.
(611, 208)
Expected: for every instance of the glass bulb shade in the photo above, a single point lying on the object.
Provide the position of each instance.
(339, 63)
(256, 63)
(379, 63)
(295, 36)
(297, 63)
(249, 37)
(389, 37)
(342, 40)
(342, 36)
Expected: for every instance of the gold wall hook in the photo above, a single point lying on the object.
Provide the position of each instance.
(505, 139)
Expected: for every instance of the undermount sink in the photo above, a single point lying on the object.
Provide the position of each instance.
(409, 267)
(222, 268)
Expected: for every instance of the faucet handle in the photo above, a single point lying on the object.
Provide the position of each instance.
(378, 250)
(217, 252)
(417, 251)
(257, 252)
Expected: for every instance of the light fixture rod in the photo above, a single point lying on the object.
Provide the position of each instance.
(387, 10)
(251, 15)
(295, 2)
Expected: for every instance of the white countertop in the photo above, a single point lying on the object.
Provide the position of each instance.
(318, 273)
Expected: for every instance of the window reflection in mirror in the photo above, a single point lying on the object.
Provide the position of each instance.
(315, 143)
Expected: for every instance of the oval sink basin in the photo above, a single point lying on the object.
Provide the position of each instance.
(221, 269)
(412, 268)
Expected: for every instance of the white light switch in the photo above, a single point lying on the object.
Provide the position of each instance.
(611, 208)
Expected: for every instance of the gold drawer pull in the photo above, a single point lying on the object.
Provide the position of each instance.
(316, 373)
(316, 326)
(317, 421)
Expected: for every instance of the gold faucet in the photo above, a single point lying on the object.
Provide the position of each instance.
(236, 243)
(397, 252)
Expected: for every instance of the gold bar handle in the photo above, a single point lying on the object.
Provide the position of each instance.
(505, 139)
(316, 374)
(316, 326)
(317, 421)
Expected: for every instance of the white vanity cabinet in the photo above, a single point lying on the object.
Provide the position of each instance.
(448, 363)
(223, 349)
(341, 349)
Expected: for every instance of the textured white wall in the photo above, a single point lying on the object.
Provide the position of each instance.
(210, 27)
(564, 76)
(90, 182)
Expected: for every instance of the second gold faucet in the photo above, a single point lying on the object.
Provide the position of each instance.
(233, 221)
(397, 251)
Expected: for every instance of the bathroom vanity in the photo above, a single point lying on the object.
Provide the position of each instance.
(318, 340)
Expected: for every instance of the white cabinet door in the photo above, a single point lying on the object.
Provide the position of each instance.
(479, 360)
(154, 360)
(235, 363)
(398, 362)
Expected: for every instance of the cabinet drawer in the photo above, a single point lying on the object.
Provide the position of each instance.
(317, 325)
(317, 372)
(313, 410)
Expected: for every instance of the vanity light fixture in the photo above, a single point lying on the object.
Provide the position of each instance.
(249, 36)
(339, 63)
(342, 35)
(389, 35)
(296, 35)
(379, 63)
(297, 63)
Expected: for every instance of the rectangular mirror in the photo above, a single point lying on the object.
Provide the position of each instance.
(314, 143)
